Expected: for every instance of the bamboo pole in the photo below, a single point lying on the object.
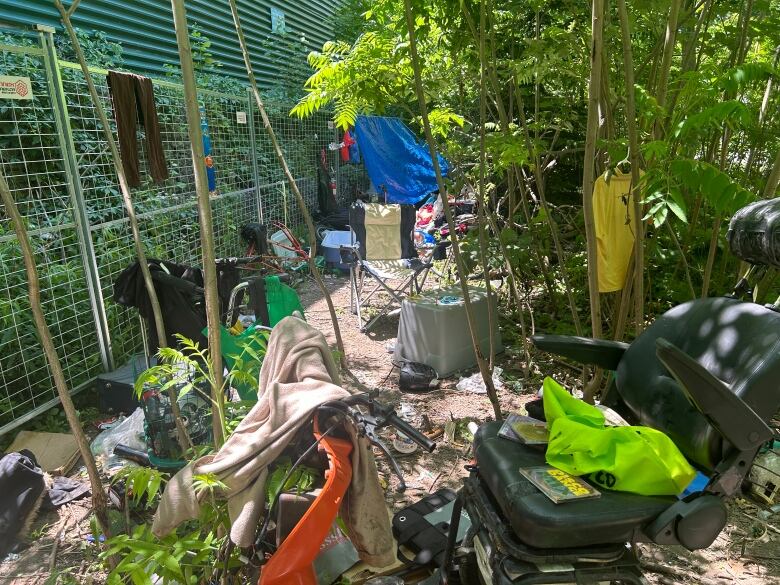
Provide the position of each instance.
(594, 87)
(773, 180)
(204, 213)
(462, 275)
(666, 61)
(483, 200)
(291, 180)
(99, 500)
(633, 145)
(737, 58)
(182, 436)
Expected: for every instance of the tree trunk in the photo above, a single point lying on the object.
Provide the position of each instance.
(291, 180)
(99, 501)
(666, 62)
(594, 88)
(213, 320)
(483, 199)
(182, 436)
(705, 287)
(554, 232)
(552, 224)
(762, 115)
(773, 180)
(459, 265)
(689, 56)
(636, 195)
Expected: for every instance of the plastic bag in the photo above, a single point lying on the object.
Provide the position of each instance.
(639, 460)
(476, 384)
(129, 432)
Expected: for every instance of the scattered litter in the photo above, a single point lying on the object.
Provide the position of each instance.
(764, 478)
(458, 431)
(401, 442)
(129, 432)
(64, 490)
(425, 475)
(450, 427)
(108, 423)
(56, 453)
(476, 385)
(91, 539)
(390, 346)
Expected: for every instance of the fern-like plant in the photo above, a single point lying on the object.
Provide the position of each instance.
(189, 368)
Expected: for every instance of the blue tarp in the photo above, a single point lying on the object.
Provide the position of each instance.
(395, 160)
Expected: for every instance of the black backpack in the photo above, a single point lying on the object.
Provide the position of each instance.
(22, 487)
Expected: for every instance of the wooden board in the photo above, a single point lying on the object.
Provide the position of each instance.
(56, 453)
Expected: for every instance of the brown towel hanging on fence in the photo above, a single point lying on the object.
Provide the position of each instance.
(133, 96)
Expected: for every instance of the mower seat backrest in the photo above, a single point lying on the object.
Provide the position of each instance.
(738, 342)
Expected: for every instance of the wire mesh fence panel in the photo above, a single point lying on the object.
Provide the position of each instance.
(54, 154)
(32, 160)
(305, 144)
(167, 211)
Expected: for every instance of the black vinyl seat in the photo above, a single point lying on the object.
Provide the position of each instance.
(615, 517)
(706, 373)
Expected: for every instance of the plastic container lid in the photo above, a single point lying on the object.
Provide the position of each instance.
(336, 239)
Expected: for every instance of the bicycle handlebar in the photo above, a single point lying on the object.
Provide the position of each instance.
(411, 432)
(385, 415)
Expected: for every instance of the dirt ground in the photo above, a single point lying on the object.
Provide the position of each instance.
(746, 553)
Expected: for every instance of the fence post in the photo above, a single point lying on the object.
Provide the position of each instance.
(253, 147)
(337, 163)
(76, 193)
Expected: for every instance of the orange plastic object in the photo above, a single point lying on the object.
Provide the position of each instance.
(291, 564)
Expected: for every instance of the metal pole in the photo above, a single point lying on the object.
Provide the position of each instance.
(337, 166)
(76, 191)
(253, 146)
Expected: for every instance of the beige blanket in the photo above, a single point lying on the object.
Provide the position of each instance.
(297, 375)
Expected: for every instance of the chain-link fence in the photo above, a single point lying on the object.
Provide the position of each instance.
(61, 174)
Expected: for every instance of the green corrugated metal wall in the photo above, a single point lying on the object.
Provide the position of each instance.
(144, 28)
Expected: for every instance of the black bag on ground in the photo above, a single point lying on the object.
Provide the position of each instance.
(423, 527)
(22, 486)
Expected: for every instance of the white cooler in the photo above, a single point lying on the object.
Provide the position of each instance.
(433, 329)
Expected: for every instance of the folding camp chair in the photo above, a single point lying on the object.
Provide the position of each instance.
(382, 251)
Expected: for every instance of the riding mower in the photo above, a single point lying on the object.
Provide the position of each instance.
(705, 373)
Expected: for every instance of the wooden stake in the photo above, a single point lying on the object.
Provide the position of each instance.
(99, 500)
(633, 145)
(773, 180)
(594, 87)
(204, 214)
(487, 377)
(315, 272)
(182, 436)
(666, 61)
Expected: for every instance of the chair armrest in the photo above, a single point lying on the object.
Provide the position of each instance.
(727, 412)
(603, 353)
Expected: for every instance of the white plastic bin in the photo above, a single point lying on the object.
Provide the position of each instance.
(331, 245)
